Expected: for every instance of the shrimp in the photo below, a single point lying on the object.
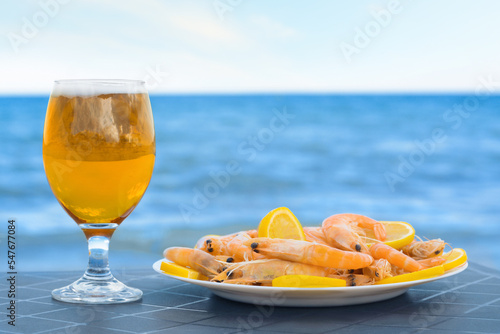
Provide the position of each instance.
(343, 231)
(196, 259)
(230, 245)
(309, 253)
(356, 279)
(425, 263)
(378, 270)
(315, 234)
(224, 258)
(253, 233)
(419, 249)
(262, 272)
(432, 262)
(395, 257)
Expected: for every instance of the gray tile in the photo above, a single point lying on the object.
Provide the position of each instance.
(130, 308)
(195, 329)
(85, 329)
(457, 297)
(492, 280)
(32, 308)
(80, 314)
(153, 283)
(134, 324)
(337, 315)
(363, 329)
(33, 325)
(27, 280)
(29, 293)
(486, 312)
(436, 309)
(482, 288)
(184, 316)
(299, 325)
(168, 299)
(468, 324)
(404, 320)
(256, 318)
(190, 289)
(55, 284)
(439, 331)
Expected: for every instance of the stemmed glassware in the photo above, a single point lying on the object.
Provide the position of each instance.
(98, 154)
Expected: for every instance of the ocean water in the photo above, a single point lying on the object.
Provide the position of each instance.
(223, 162)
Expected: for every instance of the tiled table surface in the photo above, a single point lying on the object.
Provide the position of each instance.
(468, 303)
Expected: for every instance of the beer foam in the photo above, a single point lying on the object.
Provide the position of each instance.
(91, 87)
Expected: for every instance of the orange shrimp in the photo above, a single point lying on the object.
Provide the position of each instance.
(343, 231)
(196, 259)
(395, 257)
(309, 253)
(262, 272)
(230, 245)
(356, 279)
(419, 249)
(253, 233)
(315, 234)
(432, 262)
(378, 270)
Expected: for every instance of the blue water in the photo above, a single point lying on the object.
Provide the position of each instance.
(225, 161)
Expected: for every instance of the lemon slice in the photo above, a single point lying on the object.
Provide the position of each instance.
(307, 281)
(454, 258)
(176, 270)
(281, 223)
(399, 234)
(417, 275)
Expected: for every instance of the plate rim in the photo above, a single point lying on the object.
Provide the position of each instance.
(250, 288)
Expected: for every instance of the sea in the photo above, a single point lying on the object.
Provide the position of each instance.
(224, 161)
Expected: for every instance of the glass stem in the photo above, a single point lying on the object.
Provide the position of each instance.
(98, 268)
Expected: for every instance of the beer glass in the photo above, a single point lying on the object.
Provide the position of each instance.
(98, 154)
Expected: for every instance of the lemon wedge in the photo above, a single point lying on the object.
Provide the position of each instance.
(454, 258)
(176, 270)
(399, 234)
(307, 281)
(414, 276)
(281, 223)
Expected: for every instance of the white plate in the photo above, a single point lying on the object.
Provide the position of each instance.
(302, 297)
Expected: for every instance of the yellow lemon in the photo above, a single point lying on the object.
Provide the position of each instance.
(281, 223)
(399, 234)
(455, 258)
(414, 276)
(176, 270)
(307, 281)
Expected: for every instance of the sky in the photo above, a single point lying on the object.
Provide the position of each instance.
(251, 46)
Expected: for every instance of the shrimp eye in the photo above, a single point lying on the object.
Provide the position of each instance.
(376, 274)
(353, 283)
(224, 268)
(351, 271)
(254, 245)
(208, 241)
(210, 249)
(229, 259)
(358, 247)
(437, 252)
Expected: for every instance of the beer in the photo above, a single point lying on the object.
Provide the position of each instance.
(99, 153)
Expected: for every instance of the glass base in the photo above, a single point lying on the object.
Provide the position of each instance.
(92, 291)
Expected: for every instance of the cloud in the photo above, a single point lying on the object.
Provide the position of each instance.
(273, 27)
